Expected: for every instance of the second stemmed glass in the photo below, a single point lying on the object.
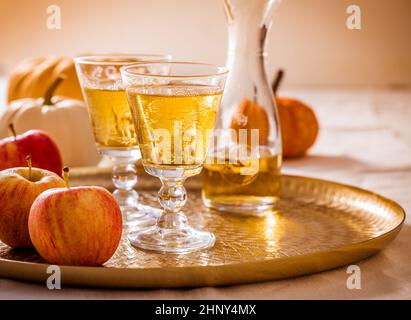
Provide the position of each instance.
(113, 127)
(174, 106)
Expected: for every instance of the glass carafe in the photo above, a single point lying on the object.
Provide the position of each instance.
(242, 171)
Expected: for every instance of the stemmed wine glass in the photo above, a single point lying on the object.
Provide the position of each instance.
(174, 105)
(113, 127)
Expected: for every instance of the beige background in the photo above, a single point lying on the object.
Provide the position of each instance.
(309, 38)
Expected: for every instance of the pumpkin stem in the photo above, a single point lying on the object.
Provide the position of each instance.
(277, 81)
(29, 164)
(13, 131)
(255, 94)
(66, 177)
(50, 91)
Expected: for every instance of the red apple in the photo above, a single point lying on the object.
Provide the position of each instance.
(75, 225)
(19, 187)
(38, 144)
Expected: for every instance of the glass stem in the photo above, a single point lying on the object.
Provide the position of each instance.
(172, 197)
(124, 178)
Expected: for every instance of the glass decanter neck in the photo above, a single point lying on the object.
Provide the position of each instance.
(248, 24)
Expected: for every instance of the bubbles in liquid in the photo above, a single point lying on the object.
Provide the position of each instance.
(239, 164)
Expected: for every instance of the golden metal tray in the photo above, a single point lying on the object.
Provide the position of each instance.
(321, 225)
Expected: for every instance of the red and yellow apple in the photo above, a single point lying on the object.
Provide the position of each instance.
(38, 144)
(75, 225)
(19, 187)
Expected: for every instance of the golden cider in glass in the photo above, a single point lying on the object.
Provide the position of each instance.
(232, 185)
(111, 118)
(174, 124)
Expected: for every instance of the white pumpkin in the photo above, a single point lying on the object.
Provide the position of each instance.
(65, 120)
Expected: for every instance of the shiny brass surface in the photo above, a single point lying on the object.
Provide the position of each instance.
(320, 225)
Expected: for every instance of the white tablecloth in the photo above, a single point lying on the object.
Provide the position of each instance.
(365, 140)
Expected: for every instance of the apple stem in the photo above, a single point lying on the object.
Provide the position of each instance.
(29, 164)
(277, 81)
(13, 131)
(66, 177)
(50, 91)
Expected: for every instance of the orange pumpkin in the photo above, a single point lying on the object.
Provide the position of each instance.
(32, 77)
(298, 122)
(299, 126)
(249, 115)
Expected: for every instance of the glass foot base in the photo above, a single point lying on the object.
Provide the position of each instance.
(182, 240)
(140, 216)
(134, 213)
(259, 208)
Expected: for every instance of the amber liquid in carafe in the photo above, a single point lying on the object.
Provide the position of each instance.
(231, 185)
